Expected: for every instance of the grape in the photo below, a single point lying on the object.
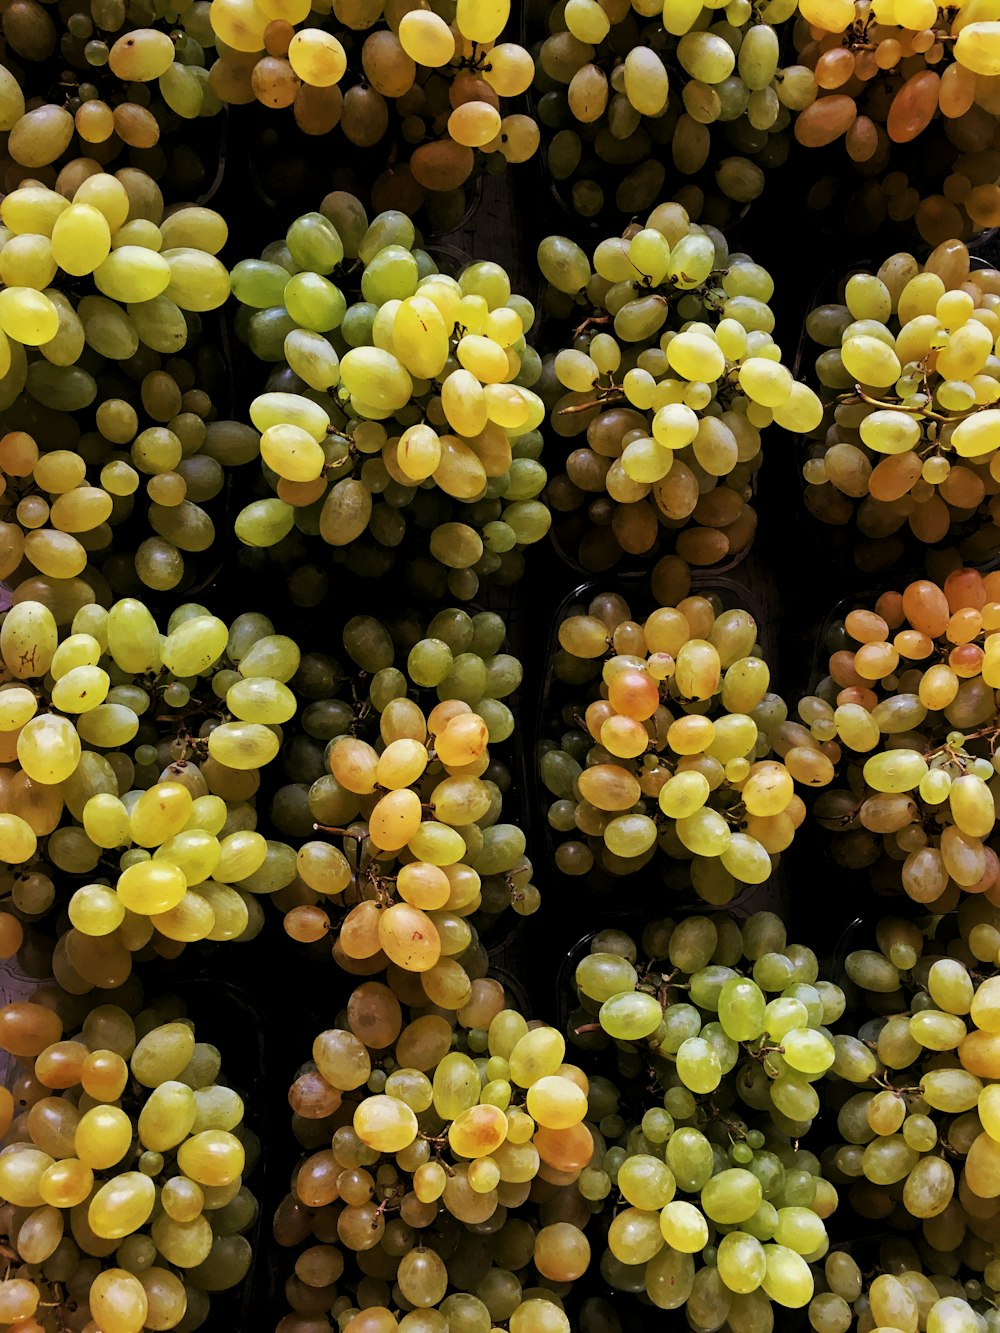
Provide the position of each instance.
(903, 451)
(89, 1178)
(670, 320)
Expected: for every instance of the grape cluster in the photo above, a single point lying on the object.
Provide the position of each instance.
(432, 87)
(438, 1190)
(405, 397)
(670, 376)
(122, 86)
(131, 763)
(122, 1169)
(918, 1134)
(670, 725)
(722, 1029)
(147, 269)
(910, 703)
(887, 75)
(629, 91)
(909, 378)
(393, 762)
(898, 1282)
(111, 345)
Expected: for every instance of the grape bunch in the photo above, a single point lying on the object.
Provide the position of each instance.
(113, 232)
(718, 1033)
(443, 1145)
(432, 87)
(898, 1282)
(669, 727)
(909, 377)
(393, 768)
(627, 92)
(669, 378)
(908, 72)
(122, 1203)
(918, 1134)
(910, 701)
(99, 287)
(121, 87)
(131, 763)
(154, 381)
(404, 396)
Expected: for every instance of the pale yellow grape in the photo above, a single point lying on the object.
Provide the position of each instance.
(28, 316)
(17, 839)
(243, 745)
(28, 261)
(482, 20)
(647, 83)
(118, 1301)
(48, 748)
(202, 228)
(675, 426)
(483, 358)
(696, 356)
(11, 100)
(197, 281)
(150, 887)
(317, 57)
(132, 273)
(106, 821)
(17, 705)
(81, 689)
(81, 239)
(683, 1227)
(377, 379)
(141, 55)
(159, 813)
(766, 382)
(890, 432)
(510, 69)
(290, 408)
(420, 337)
(870, 361)
(977, 434)
(978, 47)
(898, 770)
(261, 700)
(427, 39)
(419, 450)
(292, 452)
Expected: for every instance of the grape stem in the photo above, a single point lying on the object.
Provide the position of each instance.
(590, 320)
(604, 396)
(916, 411)
(344, 832)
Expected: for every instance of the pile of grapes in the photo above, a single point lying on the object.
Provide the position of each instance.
(416, 677)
